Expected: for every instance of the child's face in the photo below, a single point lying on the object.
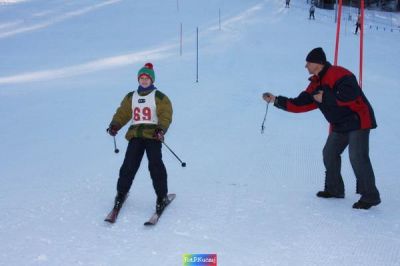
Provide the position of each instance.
(144, 81)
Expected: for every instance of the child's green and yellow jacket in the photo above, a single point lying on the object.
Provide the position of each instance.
(123, 115)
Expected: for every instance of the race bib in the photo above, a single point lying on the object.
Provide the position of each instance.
(144, 109)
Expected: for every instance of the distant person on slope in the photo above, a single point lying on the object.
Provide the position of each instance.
(312, 11)
(149, 112)
(287, 3)
(358, 23)
(335, 91)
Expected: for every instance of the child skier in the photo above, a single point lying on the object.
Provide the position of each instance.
(149, 112)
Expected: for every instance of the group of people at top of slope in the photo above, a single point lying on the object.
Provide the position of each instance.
(311, 10)
(332, 89)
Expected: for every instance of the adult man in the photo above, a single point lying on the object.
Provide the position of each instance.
(334, 90)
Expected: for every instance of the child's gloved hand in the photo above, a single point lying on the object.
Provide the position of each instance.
(159, 134)
(113, 130)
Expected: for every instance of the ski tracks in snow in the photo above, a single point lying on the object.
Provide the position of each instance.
(12, 28)
(31, 23)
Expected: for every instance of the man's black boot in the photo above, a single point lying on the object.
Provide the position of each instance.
(364, 205)
(326, 194)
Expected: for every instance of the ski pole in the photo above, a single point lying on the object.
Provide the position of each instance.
(115, 146)
(265, 118)
(182, 163)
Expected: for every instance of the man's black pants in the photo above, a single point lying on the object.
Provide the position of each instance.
(358, 143)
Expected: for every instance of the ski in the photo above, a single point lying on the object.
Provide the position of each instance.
(156, 216)
(112, 216)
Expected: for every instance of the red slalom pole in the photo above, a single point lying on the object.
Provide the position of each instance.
(338, 31)
(361, 43)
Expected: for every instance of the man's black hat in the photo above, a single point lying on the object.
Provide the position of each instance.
(317, 55)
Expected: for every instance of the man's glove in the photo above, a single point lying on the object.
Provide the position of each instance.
(159, 134)
(113, 130)
(269, 97)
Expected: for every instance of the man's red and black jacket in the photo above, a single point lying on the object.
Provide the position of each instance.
(344, 104)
